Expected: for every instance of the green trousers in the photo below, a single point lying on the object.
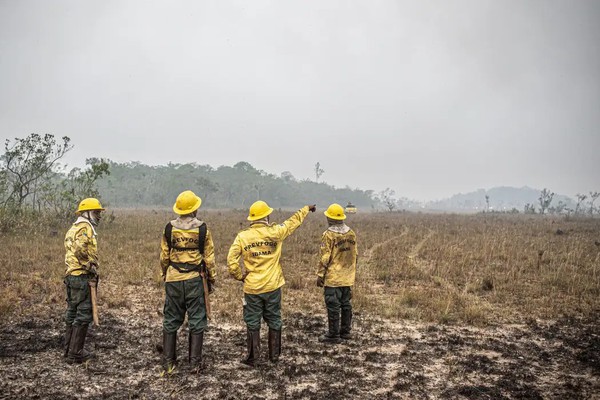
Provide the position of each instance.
(264, 305)
(79, 300)
(338, 299)
(181, 297)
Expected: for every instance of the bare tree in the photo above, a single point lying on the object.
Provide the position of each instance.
(487, 202)
(318, 171)
(386, 196)
(580, 200)
(545, 199)
(593, 197)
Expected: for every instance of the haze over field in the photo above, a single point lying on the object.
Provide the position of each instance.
(427, 98)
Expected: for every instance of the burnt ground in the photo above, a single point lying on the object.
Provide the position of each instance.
(550, 360)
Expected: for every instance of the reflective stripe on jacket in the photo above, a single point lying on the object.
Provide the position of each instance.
(338, 255)
(81, 247)
(259, 246)
(185, 250)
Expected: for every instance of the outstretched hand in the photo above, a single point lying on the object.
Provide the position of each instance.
(312, 208)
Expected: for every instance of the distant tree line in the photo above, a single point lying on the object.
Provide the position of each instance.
(134, 184)
(33, 183)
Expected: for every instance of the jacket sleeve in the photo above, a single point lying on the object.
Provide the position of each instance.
(164, 256)
(288, 227)
(324, 254)
(83, 249)
(233, 259)
(209, 256)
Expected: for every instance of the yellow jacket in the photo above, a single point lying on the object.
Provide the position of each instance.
(338, 256)
(185, 250)
(81, 248)
(260, 248)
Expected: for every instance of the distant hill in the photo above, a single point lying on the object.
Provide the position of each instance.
(503, 198)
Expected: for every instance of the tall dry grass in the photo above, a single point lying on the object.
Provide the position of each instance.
(447, 268)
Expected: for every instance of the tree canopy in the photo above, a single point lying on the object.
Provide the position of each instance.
(134, 184)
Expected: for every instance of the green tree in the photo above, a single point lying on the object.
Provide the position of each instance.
(27, 162)
(61, 197)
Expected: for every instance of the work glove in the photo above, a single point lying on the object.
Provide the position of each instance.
(312, 208)
(244, 275)
(320, 281)
(211, 285)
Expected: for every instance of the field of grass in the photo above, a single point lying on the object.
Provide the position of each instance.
(467, 269)
(446, 306)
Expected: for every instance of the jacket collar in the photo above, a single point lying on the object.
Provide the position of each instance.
(87, 221)
(340, 228)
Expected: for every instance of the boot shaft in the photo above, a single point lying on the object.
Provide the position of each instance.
(169, 350)
(67, 339)
(77, 353)
(274, 344)
(195, 348)
(253, 347)
(346, 324)
(333, 322)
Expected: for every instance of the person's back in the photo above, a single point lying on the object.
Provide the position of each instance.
(341, 260)
(187, 260)
(259, 247)
(336, 273)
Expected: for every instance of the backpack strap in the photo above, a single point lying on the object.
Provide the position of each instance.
(202, 238)
(168, 235)
(202, 229)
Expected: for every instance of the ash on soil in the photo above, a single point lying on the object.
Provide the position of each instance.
(559, 359)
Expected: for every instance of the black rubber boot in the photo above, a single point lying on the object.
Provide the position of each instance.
(346, 324)
(67, 339)
(195, 353)
(169, 357)
(274, 345)
(77, 353)
(333, 335)
(253, 346)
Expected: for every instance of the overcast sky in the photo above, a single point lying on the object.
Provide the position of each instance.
(429, 98)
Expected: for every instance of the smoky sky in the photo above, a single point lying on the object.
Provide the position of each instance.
(429, 98)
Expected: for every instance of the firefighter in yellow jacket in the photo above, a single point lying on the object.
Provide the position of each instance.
(336, 272)
(259, 246)
(187, 258)
(81, 260)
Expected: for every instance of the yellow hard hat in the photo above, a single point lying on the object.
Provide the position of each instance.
(335, 211)
(187, 202)
(259, 210)
(89, 204)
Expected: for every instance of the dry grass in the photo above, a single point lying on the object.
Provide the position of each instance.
(446, 268)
